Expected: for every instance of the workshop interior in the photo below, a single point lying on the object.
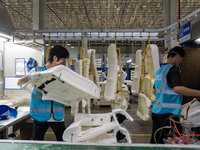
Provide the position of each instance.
(106, 85)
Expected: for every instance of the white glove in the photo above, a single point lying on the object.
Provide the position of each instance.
(35, 76)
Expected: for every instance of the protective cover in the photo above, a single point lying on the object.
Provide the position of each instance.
(93, 68)
(111, 83)
(144, 104)
(146, 97)
(98, 128)
(193, 112)
(78, 68)
(65, 86)
(137, 73)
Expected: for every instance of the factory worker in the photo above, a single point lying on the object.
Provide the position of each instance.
(103, 75)
(169, 94)
(46, 113)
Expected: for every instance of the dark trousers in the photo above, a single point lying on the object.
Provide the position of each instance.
(161, 120)
(40, 128)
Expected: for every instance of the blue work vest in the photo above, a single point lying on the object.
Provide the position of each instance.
(41, 110)
(167, 101)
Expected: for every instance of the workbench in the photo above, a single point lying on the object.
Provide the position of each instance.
(11, 124)
(50, 145)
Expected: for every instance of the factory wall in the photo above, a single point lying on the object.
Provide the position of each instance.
(11, 52)
(73, 52)
(191, 70)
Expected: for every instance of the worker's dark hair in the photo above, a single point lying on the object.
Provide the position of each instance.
(176, 50)
(59, 52)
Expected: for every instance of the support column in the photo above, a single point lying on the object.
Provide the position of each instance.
(39, 8)
(79, 50)
(132, 47)
(170, 17)
(66, 44)
(143, 45)
(85, 44)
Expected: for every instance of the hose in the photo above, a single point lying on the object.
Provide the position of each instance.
(186, 116)
(178, 131)
(159, 130)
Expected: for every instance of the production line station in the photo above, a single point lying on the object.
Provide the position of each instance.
(96, 74)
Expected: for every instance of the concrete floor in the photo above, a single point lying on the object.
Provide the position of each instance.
(139, 130)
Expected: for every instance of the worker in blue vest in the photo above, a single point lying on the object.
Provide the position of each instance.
(103, 75)
(169, 94)
(46, 113)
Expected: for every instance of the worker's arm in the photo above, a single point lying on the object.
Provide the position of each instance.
(22, 81)
(32, 76)
(186, 91)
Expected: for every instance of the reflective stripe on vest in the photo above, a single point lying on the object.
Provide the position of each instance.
(37, 96)
(40, 110)
(43, 110)
(59, 109)
(168, 105)
(166, 91)
(164, 81)
(171, 92)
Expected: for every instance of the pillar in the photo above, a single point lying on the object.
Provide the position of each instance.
(39, 8)
(170, 17)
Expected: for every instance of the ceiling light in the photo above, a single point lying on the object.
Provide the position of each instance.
(68, 44)
(198, 40)
(4, 36)
(3, 39)
(72, 46)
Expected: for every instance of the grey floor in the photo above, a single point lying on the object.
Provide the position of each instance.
(139, 130)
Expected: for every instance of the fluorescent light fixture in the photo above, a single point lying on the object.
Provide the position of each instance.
(72, 46)
(3, 39)
(198, 40)
(4, 36)
(68, 44)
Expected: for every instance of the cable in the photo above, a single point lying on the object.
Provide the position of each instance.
(158, 130)
(178, 131)
(164, 125)
(195, 99)
(184, 136)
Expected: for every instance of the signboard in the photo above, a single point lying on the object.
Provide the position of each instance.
(185, 33)
(10, 83)
(20, 67)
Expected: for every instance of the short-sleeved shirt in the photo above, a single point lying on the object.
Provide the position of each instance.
(173, 77)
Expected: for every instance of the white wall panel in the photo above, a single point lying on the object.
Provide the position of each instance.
(13, 51)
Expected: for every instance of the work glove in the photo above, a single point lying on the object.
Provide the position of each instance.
(35, 76)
